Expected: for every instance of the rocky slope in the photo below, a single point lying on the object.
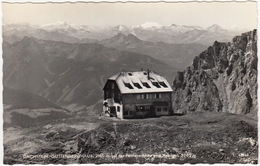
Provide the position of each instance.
(223, 78)
(199, 137)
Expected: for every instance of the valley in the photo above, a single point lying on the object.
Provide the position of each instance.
(70, 75)
(24, 109)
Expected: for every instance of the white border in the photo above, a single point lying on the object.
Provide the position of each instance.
(176, 1)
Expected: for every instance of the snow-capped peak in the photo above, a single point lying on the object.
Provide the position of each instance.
(58, 25)
(215, 28)
(149, 25)
(121, 28)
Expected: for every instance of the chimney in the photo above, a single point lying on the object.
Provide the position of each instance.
(148, 74)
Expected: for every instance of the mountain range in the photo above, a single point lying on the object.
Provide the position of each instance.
(59, 64)
(177, 55)
(71, 75)
(153, 32)
(67, 65)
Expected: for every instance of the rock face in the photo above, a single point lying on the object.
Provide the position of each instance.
(223, 78)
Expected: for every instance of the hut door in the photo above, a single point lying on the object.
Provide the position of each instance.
(113, 111)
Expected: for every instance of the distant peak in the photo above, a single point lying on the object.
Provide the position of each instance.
(133, 37)
(215, 25)
(59, 24)
(62, 22)
(215, 28)
(122, 38)
(121, 27)
(151, 25)
(120, 35)
(28, 39)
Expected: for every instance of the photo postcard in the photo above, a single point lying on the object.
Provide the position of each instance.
(130, 82)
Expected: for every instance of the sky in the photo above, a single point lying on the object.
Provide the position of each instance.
(229, 15)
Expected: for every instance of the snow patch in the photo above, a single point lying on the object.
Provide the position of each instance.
(149, 25)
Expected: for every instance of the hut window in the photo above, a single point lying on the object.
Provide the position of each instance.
(146, 84)
(125, 112)
(145, 96)
(137, 85)
(163, 84)
(128, 85)
(141, 108)
(156, 84)
(148, 107)
(158, 95)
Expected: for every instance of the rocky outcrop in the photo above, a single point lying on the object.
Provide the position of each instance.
(222, 78)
